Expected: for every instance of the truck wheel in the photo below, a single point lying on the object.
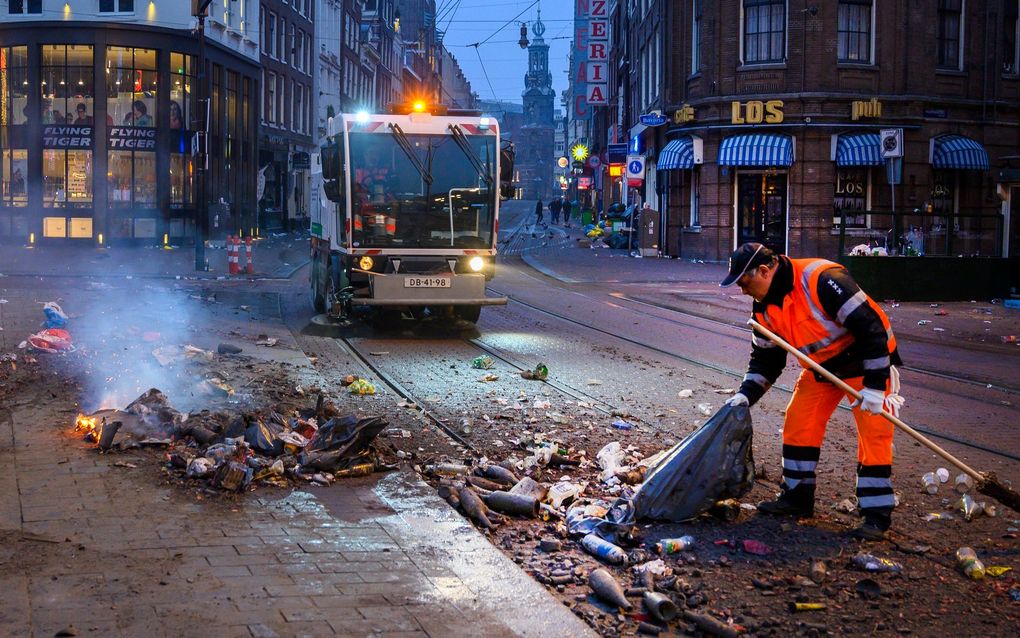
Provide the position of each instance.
(468, 313)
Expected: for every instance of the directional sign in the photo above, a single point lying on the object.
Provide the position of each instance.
(635, 167)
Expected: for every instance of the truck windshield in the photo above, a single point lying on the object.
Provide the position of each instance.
(439, 201)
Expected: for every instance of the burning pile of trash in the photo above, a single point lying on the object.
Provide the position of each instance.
(233, 452)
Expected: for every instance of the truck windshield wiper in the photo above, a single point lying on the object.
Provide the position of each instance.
(458, 136)
(405, 145)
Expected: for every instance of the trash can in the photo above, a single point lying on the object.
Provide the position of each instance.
(648, 232)
(587, 216)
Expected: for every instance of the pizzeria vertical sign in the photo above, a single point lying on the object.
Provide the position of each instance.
(597, 70)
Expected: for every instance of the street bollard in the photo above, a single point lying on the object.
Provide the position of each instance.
(250, 265)
(233, 266)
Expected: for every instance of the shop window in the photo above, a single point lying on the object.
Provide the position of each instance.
(950, 32)
(131, 87)
(181, 180)
(131, 179)
(853, 30)
(116, 6)
(850, 199)
(66, 81)
(67, 179)
(14, 175)
(13, 85)
(24, 6)
(182, 114)
(1011, 37)
(764, 31)
(696, 38)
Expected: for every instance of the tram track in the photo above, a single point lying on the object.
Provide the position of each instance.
(739, 374)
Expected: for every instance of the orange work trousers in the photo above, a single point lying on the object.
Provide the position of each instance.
(812, 405)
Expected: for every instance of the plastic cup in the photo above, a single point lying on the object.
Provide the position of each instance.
(930, 483)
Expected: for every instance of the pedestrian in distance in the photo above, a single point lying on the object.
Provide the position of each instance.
(566, 213)
(817, 307)
(539, 208)
(555, 206)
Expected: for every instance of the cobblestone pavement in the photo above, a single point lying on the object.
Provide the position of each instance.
(108, 544)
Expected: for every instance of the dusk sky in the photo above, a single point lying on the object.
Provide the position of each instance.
(505, 63)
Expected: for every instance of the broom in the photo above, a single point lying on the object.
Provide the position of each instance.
(986, 482)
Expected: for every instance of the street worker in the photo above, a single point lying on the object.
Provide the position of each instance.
(817, 307)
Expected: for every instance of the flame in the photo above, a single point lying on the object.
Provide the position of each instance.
(87, 426)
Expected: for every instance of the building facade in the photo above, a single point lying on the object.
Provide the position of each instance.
(382, 52)
(286, 142)
(98, 111)
(818, 126)
(534, 140)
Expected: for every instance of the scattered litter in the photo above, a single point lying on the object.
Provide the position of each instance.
(51, 340)
(870, 563)
(265, 340)
(686, 393)
(968, 507)
(756, 548)
(540, 373)
(489, 377)
(938, 516)
(606, 588)
(997, 570)
(964, 483)
(942, 474)
(970, 565)
(484, 362)
(930, 483)
(361, 387)
(674, 545)
(593, 382)
(55, 315)
(621, 424)
(705, 409)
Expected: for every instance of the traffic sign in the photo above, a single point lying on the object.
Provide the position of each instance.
(594, 161)
(892, 142)
(635, 167)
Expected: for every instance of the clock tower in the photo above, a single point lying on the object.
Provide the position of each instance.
(535, 144)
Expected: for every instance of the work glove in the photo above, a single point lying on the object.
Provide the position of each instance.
(737, 400)
(872, 400)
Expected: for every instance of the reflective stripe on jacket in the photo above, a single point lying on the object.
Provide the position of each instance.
(802, 322)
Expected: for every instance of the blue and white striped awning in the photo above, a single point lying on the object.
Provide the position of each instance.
(959, 152)
(677, 154)
(859, 149)
(756, 150)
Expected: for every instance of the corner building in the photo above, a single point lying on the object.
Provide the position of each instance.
(777, 110)
(97, 115)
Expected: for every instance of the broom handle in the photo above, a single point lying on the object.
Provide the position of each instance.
(920, 438)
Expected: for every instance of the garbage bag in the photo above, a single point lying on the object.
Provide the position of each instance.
(55, 315)
(263, 438)
(52, 340)
(711, 464)
(341, 440)
(615, 525)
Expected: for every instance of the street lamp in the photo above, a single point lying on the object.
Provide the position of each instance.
(200, 9)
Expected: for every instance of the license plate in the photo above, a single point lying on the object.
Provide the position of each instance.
(426, 282)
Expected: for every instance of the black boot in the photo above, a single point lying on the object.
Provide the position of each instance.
(873, 527)
(798, 502)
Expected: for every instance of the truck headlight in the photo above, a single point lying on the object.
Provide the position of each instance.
(476, 263)
(366, 262)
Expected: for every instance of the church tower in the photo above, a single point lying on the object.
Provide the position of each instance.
(535, 145)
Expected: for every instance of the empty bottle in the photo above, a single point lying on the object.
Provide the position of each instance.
(674, 545)
(930, 483)
(870, 563)
(601, 548)
(968, 561)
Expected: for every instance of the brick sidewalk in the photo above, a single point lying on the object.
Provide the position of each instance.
(115, 551)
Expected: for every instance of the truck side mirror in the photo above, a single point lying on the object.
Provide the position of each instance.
(506, 170)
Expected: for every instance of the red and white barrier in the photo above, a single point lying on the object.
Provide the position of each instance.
(250, 264)
(233, 255)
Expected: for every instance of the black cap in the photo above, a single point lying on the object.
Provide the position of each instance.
(743, 259)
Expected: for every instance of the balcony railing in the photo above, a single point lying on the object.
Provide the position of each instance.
(964, 234)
